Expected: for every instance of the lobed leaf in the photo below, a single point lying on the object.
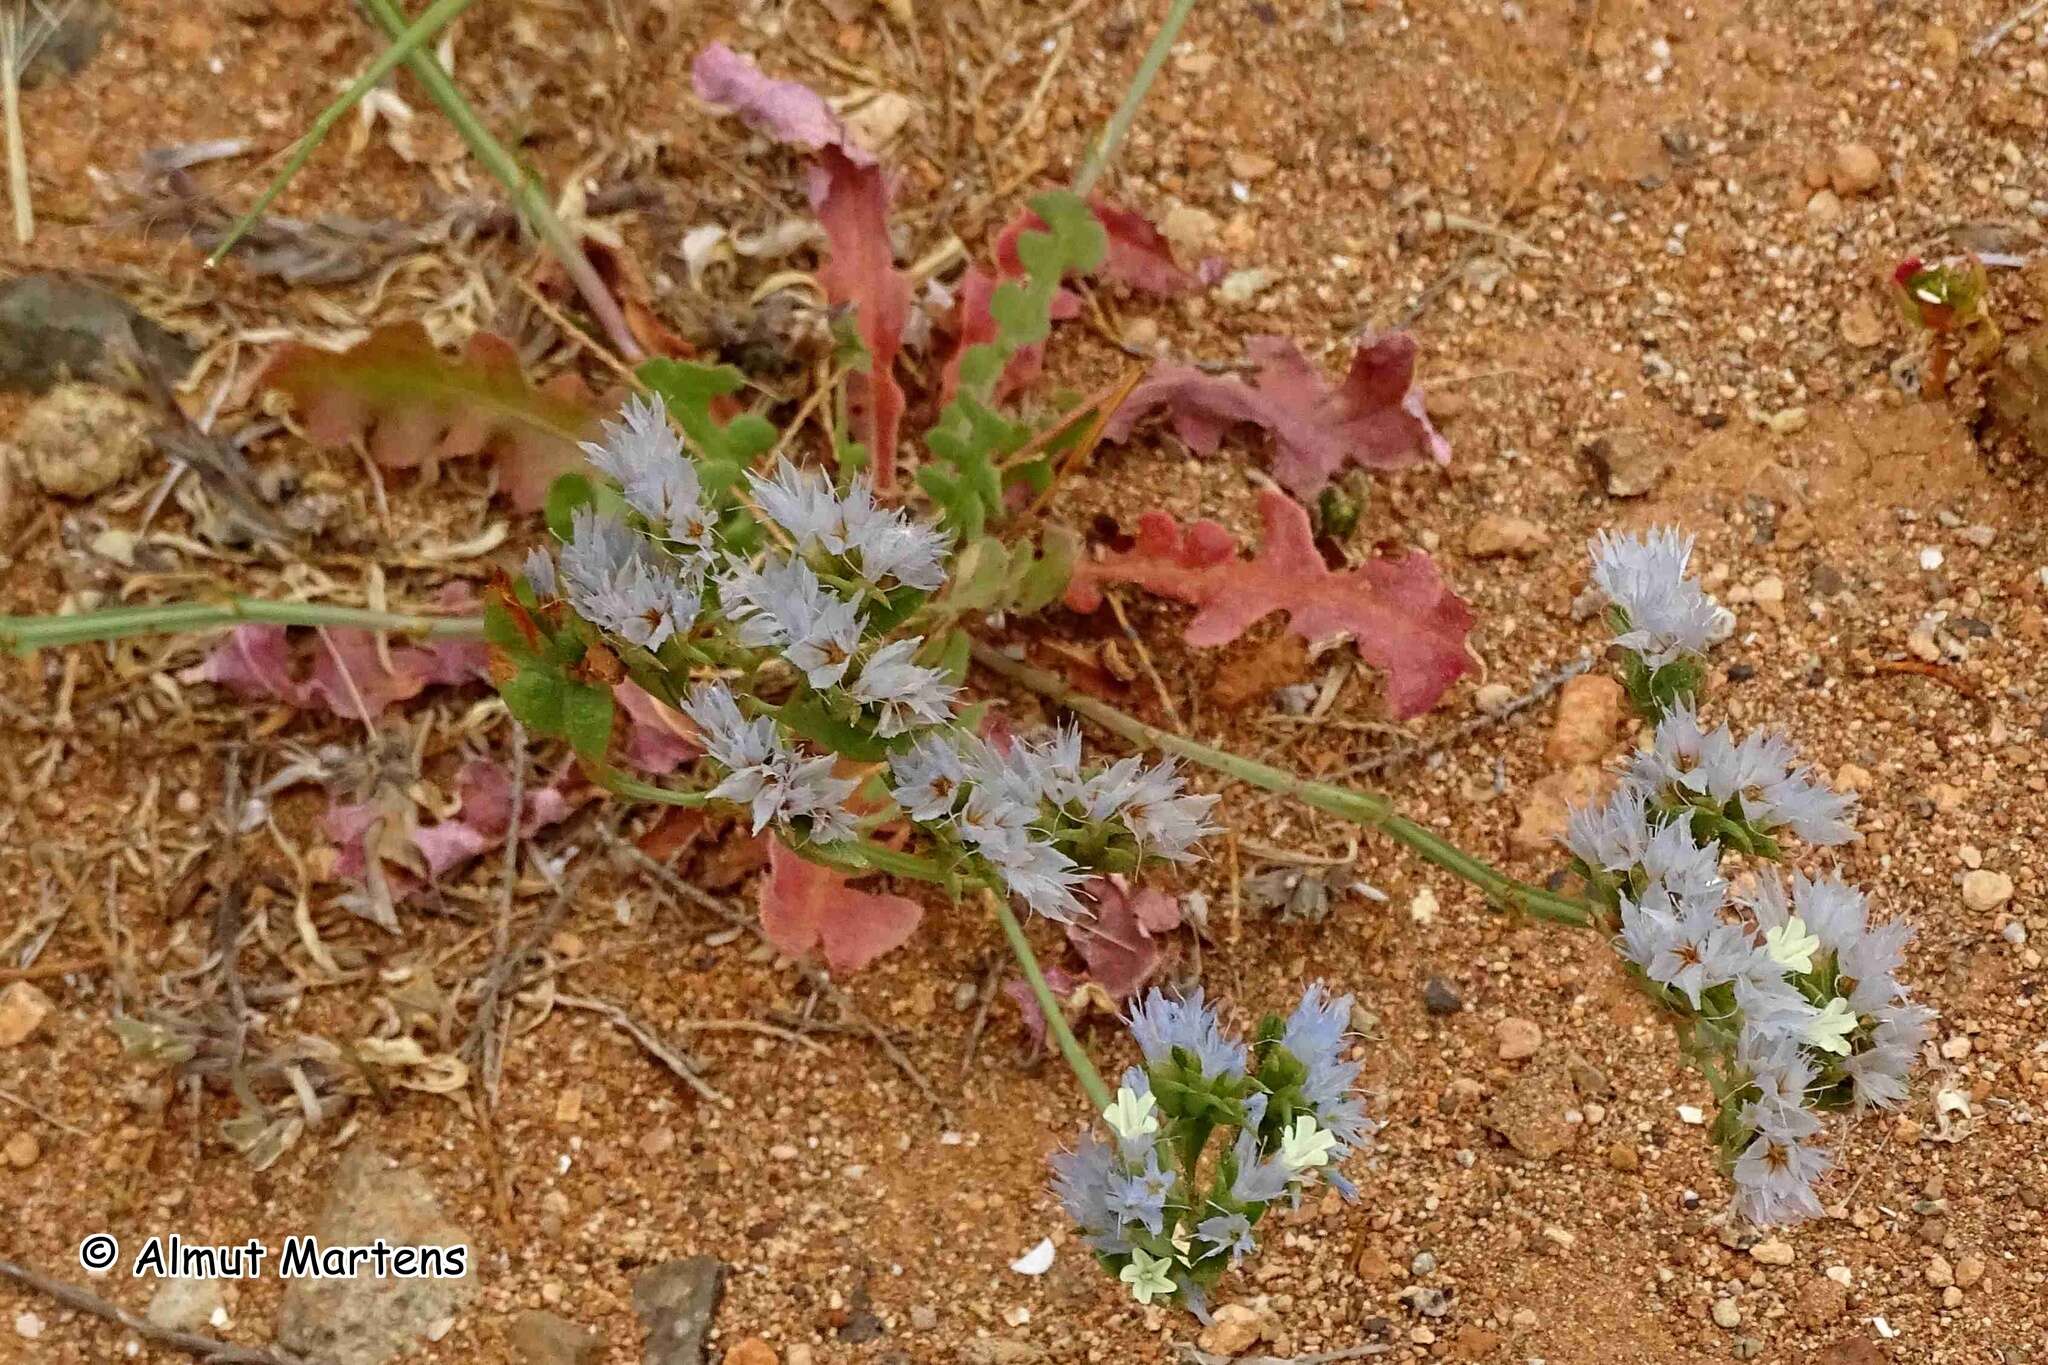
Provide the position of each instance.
(1399, 613)
(1374, 419)
(414, 406)
(970, 437)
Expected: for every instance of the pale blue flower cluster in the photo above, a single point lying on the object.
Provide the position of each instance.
(1795, 989)
(1164, 1220)
(1025, 806)
(661, 578)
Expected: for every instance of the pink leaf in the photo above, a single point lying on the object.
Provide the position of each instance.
(1374, 419)
(482, 816)
(788, 111)
(1397, 610)
(851, 199)
(805, 905)
(850, 195)
(1118, 943)
(659, 738)
(254, 661)
(348, 675)
(1061, 982)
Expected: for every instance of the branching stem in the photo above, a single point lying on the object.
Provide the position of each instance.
(1365, 808)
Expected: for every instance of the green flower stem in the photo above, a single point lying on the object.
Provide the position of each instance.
(618, 783)
(527, 194)
(1365, 808)
(1055, 1018)
(422, 30)
(22, 634)
(1119, 124)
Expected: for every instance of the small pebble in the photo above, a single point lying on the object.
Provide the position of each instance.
(1773, 1252)
(1517, 1038)
(1727, 1314)
(1985, 890)
(1441, 997)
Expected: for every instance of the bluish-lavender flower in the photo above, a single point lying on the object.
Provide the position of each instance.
(1314, 1035)
(903, 694)
(1161, 1024)
(1669, 616)
(1612, 835)
(1776, 1174)
(1081, 1183)
(928, 778)
(1140, 1196)
(1227, 1232)
(539, 569)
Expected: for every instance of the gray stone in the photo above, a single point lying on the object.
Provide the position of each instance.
(676, 1301)
(368, 1319)
(540, 1338)
(1441, 997)
(53, 328)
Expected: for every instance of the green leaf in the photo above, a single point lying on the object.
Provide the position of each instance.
(501, 630)
(587, 719)
(970, 438)
(565, 495)
(723, 449)
(534, 697)
(1043, 577)
(809, 718)
(954, 658)
(978, 575)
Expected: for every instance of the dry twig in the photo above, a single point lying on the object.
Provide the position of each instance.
(208, 1349)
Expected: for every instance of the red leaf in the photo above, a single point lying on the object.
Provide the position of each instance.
(850, 195)
(1118, 943)
(1058, 980)
(805, 905)
(851, 199)
(1398, 611)
(659, 738)
(416, 407)
(1375, 419)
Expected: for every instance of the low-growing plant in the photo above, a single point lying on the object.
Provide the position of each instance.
(817, 625)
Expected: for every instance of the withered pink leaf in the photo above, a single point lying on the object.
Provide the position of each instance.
(411, 855)
(788, 111)
(850, 195)
(659, 738)
(1375, 419)
(1061, 982)
(806, 905)
(345, 673)
(1118, 943)
(1399, 613)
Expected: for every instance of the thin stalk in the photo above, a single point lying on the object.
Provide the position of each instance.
(1055, 1018)
(1365, 808)
(622, 785)
(528, 197)
(422, 30)
(14, 57)
(21, 634)
(1119, 124)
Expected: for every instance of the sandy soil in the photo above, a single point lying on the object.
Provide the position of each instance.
(1598, 218)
